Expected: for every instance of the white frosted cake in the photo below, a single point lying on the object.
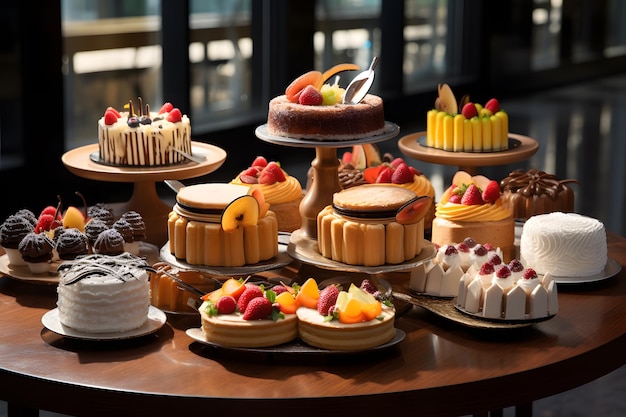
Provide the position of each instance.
(564, 244)
(104, 294)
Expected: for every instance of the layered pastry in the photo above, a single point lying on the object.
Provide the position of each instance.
(507, 291)
(564, 244)
(440, 276)
(472, 207)
(242, 315)
(109, 242)
(36, 250)
(466, 126)
(12, 231)
(136, 136)
(104, 294)
(313, 109)
(167, 294)
(71, 243)
(219, 224)
(372, 225)
(536, 192)
(281, 191)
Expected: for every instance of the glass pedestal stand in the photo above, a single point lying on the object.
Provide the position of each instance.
(325, 166)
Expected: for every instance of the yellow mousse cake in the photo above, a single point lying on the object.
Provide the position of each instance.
(372, 225)
(472, 207)
(281, 191)
(225, 225)
(471, 127)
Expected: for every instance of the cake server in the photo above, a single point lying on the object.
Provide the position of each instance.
(194, 158)
(175, 185)
(360, 85)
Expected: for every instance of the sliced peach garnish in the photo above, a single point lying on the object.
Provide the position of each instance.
(233, 286)
(371, 311)
(287, 302)
(294, 89)
(308, 294)
(260, 198)
(352, 312)
(213, 295)
(335, 70)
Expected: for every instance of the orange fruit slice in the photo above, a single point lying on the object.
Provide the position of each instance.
(335, 70)
(308, 294)
(294, 89)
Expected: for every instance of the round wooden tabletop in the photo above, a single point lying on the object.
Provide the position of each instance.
(440, 368)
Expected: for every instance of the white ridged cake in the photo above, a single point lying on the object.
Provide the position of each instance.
(564, 244)
(103, 293)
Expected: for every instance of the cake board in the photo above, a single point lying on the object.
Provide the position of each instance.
(325, 167)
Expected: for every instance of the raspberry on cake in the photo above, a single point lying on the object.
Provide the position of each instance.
(281, 191)
(466, 126)
(312, 109)
(372, 225)
(472, 206)
(536, 192)
(143, 138)
(219, 224)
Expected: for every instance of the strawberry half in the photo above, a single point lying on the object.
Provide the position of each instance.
(259, 161)
(174, 116)
(310, 96)
(491, 192)
(165, 108)
(472, 196)
(251, 292)
(258, 308)
(275, 169)
(327, 299)
(110, 117)
(402, 174)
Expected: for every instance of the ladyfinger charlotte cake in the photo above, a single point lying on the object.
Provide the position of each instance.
(136, 136)
(282, 191)
(466, 126)
(372, 225)
(472, 207)
(241, 314)
(226, 225)
(311, 108)
(104, 294)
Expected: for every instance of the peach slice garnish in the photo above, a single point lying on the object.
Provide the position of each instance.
(414, 210)
(308, 294)
(335, 70)
(242, 211)
(446, 101)
(293, 90)
(287, 302)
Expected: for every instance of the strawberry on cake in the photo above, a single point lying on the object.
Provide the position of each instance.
(472, 206)
(282, 191)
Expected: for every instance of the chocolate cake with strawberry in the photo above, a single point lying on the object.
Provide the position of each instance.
(311, 108)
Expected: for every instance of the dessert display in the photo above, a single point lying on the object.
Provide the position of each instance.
(104, 294)
(311, 108)
(564, 245)
(439, 277)
(36, 251)
(226, 225)
(281, 191)
(472, 207)
(507, 291)
(139, 137)
(12, 231)
(532, 192)
(351, 319)
(466, 126)
(168, 295)
(372, 225)
(241, 314)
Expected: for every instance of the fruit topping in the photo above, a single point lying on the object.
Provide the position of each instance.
(472, 196)
(469, 110)
(249, 293)
(446, 101)
(243, 211)
(258, 308)
(495, 259)
(174, 116)
(516, 266)
(493, 105)
(293, 90)
(491, 192)
(110, 116)
(166, 107)
(308, 294)
(226, 304)
(310, 96)
(469, 242)
(414, 210)
(486, 269)
(530, 273)
(480, 250)
(503, 272)
(327, 298)
(259, 161)
(319, 93)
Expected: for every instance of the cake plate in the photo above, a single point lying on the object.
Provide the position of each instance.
(520, 149)
(325, 168)
(82, 162)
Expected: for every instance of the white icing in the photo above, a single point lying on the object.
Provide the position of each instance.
(564, 244)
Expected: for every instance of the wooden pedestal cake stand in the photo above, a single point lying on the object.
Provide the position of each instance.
(325, 167)
(520, 149)
(84, 162)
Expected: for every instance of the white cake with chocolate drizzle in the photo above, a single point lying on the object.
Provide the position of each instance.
(104, 294)
(145, 138)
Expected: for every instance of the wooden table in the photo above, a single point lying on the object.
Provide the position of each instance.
(441, 368)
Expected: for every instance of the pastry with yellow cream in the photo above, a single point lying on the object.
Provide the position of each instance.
(372, 225)
(472, 207)
(281, 191)
(218, 224)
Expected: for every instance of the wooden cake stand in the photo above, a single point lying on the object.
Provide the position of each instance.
(325, 167)
(83, 162)
(520, 149)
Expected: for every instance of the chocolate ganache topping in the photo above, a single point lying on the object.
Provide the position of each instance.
(534, 182)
